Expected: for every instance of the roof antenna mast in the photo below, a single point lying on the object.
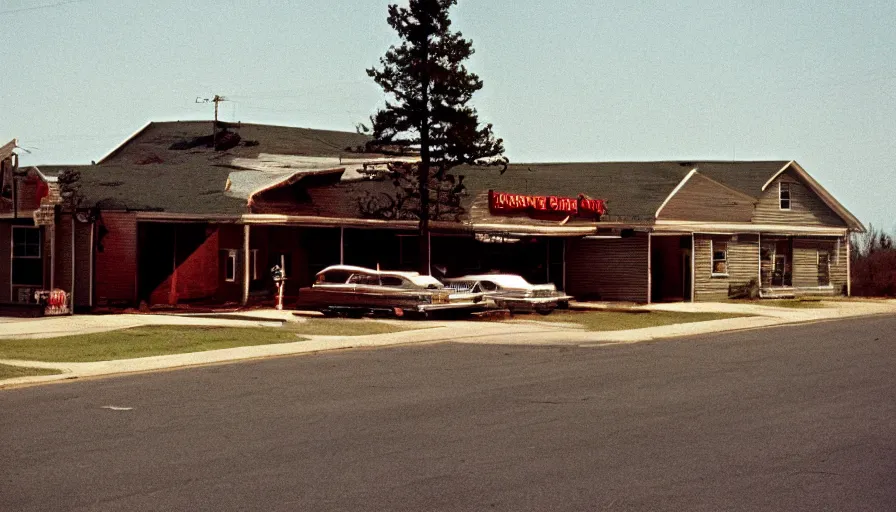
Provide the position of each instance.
(216, 100)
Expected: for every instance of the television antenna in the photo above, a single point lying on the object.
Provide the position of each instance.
(216, 100)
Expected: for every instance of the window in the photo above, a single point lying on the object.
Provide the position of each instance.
(824, 268)
(364, 279)
(27, 265)
(230, 265)
(719, 258)
(784, 195)
(334, 277)
(392, 281)
(25, 242)
(488, 286)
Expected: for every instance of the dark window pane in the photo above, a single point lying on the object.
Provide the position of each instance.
(27, 271)
(26, 242)
(396, 282)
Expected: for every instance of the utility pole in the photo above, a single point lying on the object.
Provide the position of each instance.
(216, 100)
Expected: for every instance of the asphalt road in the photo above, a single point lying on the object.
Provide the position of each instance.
(793, 418)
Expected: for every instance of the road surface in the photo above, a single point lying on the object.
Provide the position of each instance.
(790, 418)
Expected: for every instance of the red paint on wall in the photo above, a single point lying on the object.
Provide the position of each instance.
(194, 267)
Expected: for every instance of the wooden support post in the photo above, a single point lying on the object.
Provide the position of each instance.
(246, 265)
(848, 265)
(91, 264)
(52, 230)
(565, 241)
(341, 245)
(72, 295)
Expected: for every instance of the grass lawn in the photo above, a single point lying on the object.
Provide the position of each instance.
(617, 321)
(11, 372)
(160, 340)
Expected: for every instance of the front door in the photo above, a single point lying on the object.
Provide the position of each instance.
(779, 270)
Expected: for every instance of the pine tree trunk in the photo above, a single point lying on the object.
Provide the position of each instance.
(424, 172)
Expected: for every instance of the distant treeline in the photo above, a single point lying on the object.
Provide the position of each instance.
(873, 264)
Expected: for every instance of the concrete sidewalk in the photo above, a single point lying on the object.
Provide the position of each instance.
(526, 332)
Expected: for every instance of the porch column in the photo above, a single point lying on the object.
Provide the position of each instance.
(72, 296)
(246, 265)
(52, 232)
(759, 269)
(342, 245)
(91, 262)
(848, 265)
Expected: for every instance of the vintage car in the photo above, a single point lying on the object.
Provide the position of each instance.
(355, 291)
(510, 291)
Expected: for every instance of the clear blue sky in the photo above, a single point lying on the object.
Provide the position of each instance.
(564, 81)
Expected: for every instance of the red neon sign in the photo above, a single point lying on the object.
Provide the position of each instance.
(504, 202)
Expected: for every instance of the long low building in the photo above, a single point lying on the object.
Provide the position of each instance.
(181, 212)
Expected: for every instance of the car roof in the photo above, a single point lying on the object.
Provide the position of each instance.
(413, 277)
(510, 280)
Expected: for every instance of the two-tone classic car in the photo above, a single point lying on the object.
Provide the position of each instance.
(355, 291)
(513, 292)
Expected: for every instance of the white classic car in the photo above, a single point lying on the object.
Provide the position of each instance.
(355, 291)
(512, 292)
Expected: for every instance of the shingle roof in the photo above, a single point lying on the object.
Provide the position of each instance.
(632, 190)
(746, 177)
(144, 173)
(166, 188)
(152, 145)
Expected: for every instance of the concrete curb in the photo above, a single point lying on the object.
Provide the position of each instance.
(503, 333)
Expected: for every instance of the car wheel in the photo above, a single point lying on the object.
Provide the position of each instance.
(544, 310)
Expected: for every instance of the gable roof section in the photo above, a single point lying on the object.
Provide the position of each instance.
(746, 177)
(699, 197)
(851, 220)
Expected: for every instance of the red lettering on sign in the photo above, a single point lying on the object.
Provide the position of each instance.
(503, 202)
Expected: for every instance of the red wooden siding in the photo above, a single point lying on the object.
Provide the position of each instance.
(116, 265)
(612, 269)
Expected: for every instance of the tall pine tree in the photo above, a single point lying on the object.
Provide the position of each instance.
(428, 89)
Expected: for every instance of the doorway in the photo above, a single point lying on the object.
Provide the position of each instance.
(670, 268)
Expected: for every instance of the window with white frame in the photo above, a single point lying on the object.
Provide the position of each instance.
(784, 195)
(230, 258)
(719, 258)
(27, 264)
